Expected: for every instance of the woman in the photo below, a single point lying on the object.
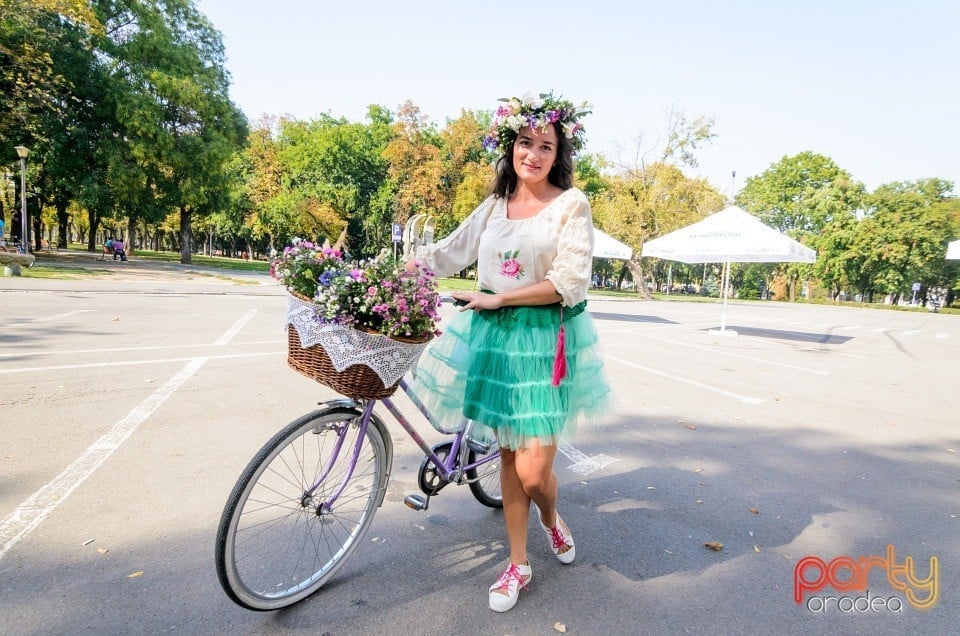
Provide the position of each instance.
(523, 362)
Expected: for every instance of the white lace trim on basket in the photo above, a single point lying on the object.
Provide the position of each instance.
(346, 346)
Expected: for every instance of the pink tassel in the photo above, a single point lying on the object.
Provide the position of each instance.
(560, 360)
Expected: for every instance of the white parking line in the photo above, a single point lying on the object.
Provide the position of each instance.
(734, 355)
(583, 464)
(128, 363)
(31, 513)
(48, 318)
(235, 329)
(68, 352)
(743, 398)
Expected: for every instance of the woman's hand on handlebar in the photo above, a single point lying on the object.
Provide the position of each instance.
(476, 300)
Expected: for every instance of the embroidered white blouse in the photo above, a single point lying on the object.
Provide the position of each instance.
(554, 245)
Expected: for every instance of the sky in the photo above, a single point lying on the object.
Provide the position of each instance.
(873, 85)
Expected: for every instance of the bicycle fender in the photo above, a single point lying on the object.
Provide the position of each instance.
(354, 405)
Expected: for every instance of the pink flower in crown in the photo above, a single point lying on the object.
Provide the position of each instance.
(510, 266)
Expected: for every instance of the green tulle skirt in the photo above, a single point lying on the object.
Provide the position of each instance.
(496, 368)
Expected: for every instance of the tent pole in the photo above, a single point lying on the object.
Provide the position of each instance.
(724, 278)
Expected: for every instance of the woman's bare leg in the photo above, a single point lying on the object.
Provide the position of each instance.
(516, 506)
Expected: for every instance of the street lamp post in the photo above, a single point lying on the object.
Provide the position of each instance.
(22, 152)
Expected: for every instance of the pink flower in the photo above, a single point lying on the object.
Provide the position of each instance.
(511, 268)
(372, 291)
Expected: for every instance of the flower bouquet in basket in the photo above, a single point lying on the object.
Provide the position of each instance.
(355, 327)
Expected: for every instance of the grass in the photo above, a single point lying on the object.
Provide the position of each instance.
(63, 273)
(216, 262)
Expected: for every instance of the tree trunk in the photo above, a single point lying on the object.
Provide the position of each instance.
(623, 274)
(186, 238)
(63, 223)
(94, 220)
(131, 235)
(640, 281)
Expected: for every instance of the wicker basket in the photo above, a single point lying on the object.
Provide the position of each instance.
(357, 381)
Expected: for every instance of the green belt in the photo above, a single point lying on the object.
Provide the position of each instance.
(530, 315)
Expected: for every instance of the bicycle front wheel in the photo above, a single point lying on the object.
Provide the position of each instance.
(276, 544)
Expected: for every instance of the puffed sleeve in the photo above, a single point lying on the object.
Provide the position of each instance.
(460, 248)
(573, 265)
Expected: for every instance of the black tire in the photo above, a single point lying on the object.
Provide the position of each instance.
(485, 480)
(273, 548)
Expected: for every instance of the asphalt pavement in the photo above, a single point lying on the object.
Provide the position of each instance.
(130, 402)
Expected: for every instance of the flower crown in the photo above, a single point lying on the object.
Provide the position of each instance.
(537, 112)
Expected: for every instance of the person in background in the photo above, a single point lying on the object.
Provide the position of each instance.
(119, 250)
(522, 357)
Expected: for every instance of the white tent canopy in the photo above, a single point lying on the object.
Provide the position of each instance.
(605, 246)
(729, 236)
(953, 250)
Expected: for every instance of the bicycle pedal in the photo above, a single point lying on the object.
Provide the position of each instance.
(416, 502)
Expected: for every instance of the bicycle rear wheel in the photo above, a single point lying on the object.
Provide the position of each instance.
(275, 545)
(485, 479)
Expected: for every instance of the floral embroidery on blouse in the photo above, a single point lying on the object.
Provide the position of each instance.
(509, 265)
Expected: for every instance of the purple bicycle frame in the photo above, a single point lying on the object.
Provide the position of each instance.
(445, 467)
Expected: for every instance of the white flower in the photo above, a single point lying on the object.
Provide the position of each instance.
(568, 130)
(532, 100)
(515, 122)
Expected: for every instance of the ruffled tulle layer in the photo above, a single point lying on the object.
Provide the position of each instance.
(496, 368)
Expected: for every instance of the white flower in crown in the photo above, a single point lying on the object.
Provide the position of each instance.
(532, 100)
(537, 111)
(515, 122)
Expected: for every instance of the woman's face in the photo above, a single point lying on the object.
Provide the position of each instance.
(534, 153)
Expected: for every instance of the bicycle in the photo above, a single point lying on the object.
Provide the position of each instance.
(307, 498)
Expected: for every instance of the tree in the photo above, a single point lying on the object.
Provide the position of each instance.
(902, 238)
(178, 126)
(800, 195)
(651, 196)
(415, 165)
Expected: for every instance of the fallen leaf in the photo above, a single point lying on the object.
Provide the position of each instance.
(560, 627)
(135, 574)
(102, 550)
(716, 546)
(650, 488)
(692, 427)
(667, 551)
(375, 539)
(756, 549)
(699, 501)
(697, 470)
(951, 450)
(755, 511)
(116, 319)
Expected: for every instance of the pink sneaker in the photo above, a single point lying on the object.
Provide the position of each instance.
(504, 593)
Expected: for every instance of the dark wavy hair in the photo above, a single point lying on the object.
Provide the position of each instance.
(561, 174)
